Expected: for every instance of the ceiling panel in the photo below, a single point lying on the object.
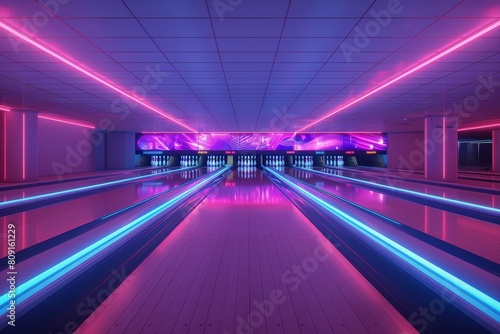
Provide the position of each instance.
(234, 68)
(318, 27)
(106, 27)
(177, 27)
(327, 8)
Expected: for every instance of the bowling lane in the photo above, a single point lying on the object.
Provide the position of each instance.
(29, 191)
(38, 225)
(476, 197)
(466, 179)
(474, 235)
(242, 251)
(53, 179)
(487, 175)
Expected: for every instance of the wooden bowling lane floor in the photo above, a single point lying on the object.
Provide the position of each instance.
(245, 261)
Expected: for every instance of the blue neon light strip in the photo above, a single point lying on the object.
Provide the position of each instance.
(481, 301)
(413, 193)
(37, 283)
(75, 190)
(340, 198)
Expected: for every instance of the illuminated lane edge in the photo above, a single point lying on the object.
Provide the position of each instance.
(37, 283)
(95, 186)
(481, 301)
(406, 191)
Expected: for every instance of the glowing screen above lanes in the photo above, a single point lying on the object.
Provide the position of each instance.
(261, 141)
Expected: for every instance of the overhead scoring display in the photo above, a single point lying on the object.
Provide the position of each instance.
(261, 141)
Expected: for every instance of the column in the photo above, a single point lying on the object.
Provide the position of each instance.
(441, 148)
(496, 151)
(120, 150)
(19, 145)
(406, 152)
(100, 150)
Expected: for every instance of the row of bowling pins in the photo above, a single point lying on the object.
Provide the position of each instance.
(159, 160)
(247, 161)
(275, 161)
(216, 160)
(334, 160)
(303, 161)
(189, 160)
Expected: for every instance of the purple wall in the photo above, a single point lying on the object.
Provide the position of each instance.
(406, 151)
(64, 149)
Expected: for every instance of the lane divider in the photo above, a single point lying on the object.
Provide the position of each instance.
(443, 200)
(479, 300)
(25, 200)
(60, 238)
(49, 276)
(465, 255)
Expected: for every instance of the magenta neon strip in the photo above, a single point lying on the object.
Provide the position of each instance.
(88, 73)
(24, 146)
(67, 122)
(5, 147)
(486, 126)
(417, 67)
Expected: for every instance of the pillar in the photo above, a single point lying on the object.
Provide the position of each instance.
(496, 151)
(100, 150)
(19, 146)
(406, 151)
(120, 150)
(441, 148)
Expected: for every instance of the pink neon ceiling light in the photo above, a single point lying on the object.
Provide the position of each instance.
(55, 119)
(415, 68)
(479, 127)
(88, 73)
